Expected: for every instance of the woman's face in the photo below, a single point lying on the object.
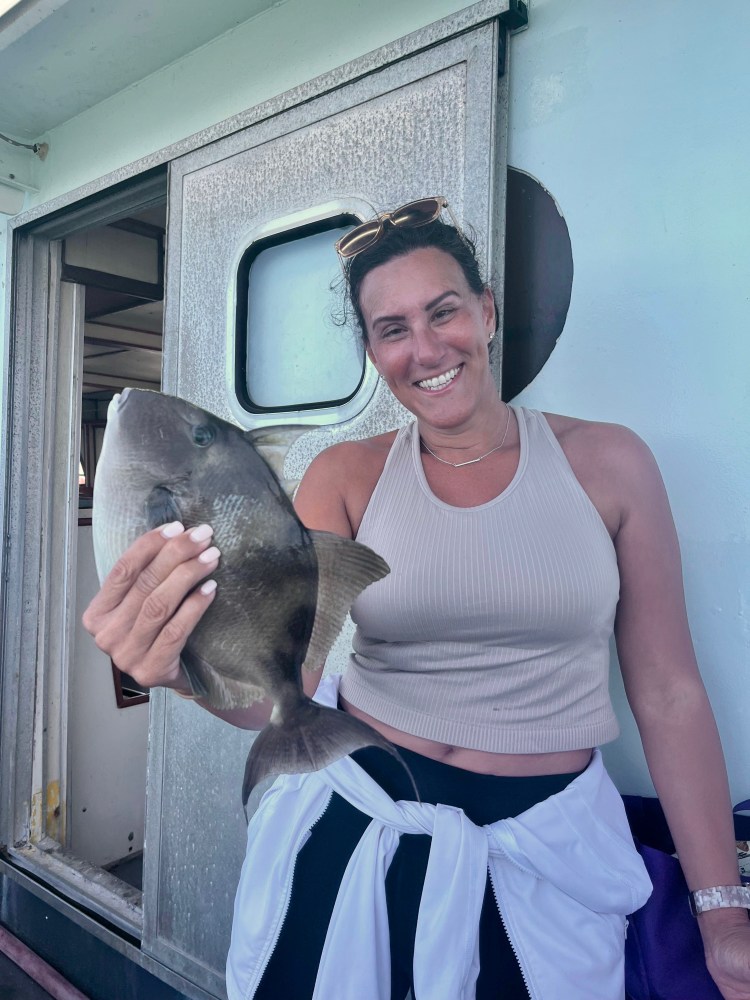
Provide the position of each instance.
(427, 335)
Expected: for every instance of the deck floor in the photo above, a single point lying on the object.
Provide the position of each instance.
(16, 985)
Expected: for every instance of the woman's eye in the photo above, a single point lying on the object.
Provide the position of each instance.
(392, 331)
(444, 313)
(203, 435)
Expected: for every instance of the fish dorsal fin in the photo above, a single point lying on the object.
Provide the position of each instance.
(161, 507)
(273, 443)
(345, 568)
(277, 434)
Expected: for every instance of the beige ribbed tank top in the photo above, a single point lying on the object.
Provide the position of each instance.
(492, 629)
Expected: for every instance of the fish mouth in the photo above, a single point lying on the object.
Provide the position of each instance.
(114, 406)
(439, 381)
(121, 398)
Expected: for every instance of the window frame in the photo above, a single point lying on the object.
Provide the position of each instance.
(279, 233)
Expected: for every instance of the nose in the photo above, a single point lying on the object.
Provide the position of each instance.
(428, 347)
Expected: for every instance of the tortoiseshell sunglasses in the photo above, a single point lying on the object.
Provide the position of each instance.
(412, 215)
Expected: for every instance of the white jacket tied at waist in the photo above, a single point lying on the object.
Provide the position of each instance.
(565, 874)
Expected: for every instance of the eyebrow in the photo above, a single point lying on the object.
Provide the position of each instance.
(430, 305)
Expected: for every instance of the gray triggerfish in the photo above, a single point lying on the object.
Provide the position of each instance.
(283, 591)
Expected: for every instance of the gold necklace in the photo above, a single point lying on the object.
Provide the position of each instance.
(472, 461)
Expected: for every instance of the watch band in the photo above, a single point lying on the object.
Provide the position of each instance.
(718, 897)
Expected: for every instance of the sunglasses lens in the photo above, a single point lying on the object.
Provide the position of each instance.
(359, 238)
(418, 213)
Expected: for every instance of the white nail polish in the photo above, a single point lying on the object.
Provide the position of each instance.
(208, 587)
(210, 555)
(201, 533)
(172, 530)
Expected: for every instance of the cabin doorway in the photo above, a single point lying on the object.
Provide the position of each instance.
(88, 312)
(118, 270)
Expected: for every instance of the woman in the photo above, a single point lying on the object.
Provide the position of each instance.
(512, 537)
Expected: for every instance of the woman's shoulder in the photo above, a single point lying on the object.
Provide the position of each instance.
(597, 441)
(349, 455)
(611, 462)
(339, 482)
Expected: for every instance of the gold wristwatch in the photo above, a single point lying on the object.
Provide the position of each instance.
(718, 897)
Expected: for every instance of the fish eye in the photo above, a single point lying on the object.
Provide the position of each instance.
(203, 435)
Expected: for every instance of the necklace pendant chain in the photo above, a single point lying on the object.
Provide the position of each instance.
(471, 461)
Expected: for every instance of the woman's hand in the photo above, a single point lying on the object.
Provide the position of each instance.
(727, 943)
(151, 602)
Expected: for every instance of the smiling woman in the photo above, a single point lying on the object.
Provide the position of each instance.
(513, 538)
(428, 330)
(431, 347)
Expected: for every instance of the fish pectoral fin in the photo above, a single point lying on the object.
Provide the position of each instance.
(194, 669)
(217, 689)
(161, 507)
(309, 738)
(345, 568)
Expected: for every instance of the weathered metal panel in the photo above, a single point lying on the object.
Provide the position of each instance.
(432, 115)
(24, 434)
(424, 125)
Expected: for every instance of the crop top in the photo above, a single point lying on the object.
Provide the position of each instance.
(492, 629)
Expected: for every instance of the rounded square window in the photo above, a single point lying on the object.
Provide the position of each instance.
(291, 355)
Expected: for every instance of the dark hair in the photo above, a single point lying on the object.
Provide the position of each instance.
(397, 241)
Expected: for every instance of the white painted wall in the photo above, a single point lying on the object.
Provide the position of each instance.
(106, 745)
(634, 119)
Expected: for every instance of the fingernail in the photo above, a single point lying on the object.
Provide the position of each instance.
(210, 555)
(201, 533)
(208, 587)
(172, 530)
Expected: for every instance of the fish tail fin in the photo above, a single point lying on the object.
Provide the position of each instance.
(308, 739)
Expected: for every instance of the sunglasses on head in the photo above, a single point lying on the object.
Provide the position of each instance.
(409, 216)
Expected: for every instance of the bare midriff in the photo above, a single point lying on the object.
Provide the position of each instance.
(521, 765)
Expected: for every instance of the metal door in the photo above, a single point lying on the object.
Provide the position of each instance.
(431, 123)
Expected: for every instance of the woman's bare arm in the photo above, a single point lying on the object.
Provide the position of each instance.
(669, 702)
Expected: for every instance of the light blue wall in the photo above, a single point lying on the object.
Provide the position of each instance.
(636, 120)
(633, 118)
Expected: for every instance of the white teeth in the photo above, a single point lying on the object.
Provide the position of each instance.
(439, 380)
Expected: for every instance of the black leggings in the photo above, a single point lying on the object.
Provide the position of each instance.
(321, 863)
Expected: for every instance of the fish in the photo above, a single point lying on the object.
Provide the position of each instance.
(283, 591)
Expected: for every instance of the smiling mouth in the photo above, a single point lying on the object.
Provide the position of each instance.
(440, 381)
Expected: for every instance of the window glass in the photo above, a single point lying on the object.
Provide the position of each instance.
(295, 357)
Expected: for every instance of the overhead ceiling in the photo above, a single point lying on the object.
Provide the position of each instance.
(60, 57)
(122, 346)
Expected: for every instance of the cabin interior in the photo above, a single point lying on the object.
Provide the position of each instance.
(120, 268)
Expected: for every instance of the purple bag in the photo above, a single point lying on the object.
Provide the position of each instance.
(742, 823)
(663, 949)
